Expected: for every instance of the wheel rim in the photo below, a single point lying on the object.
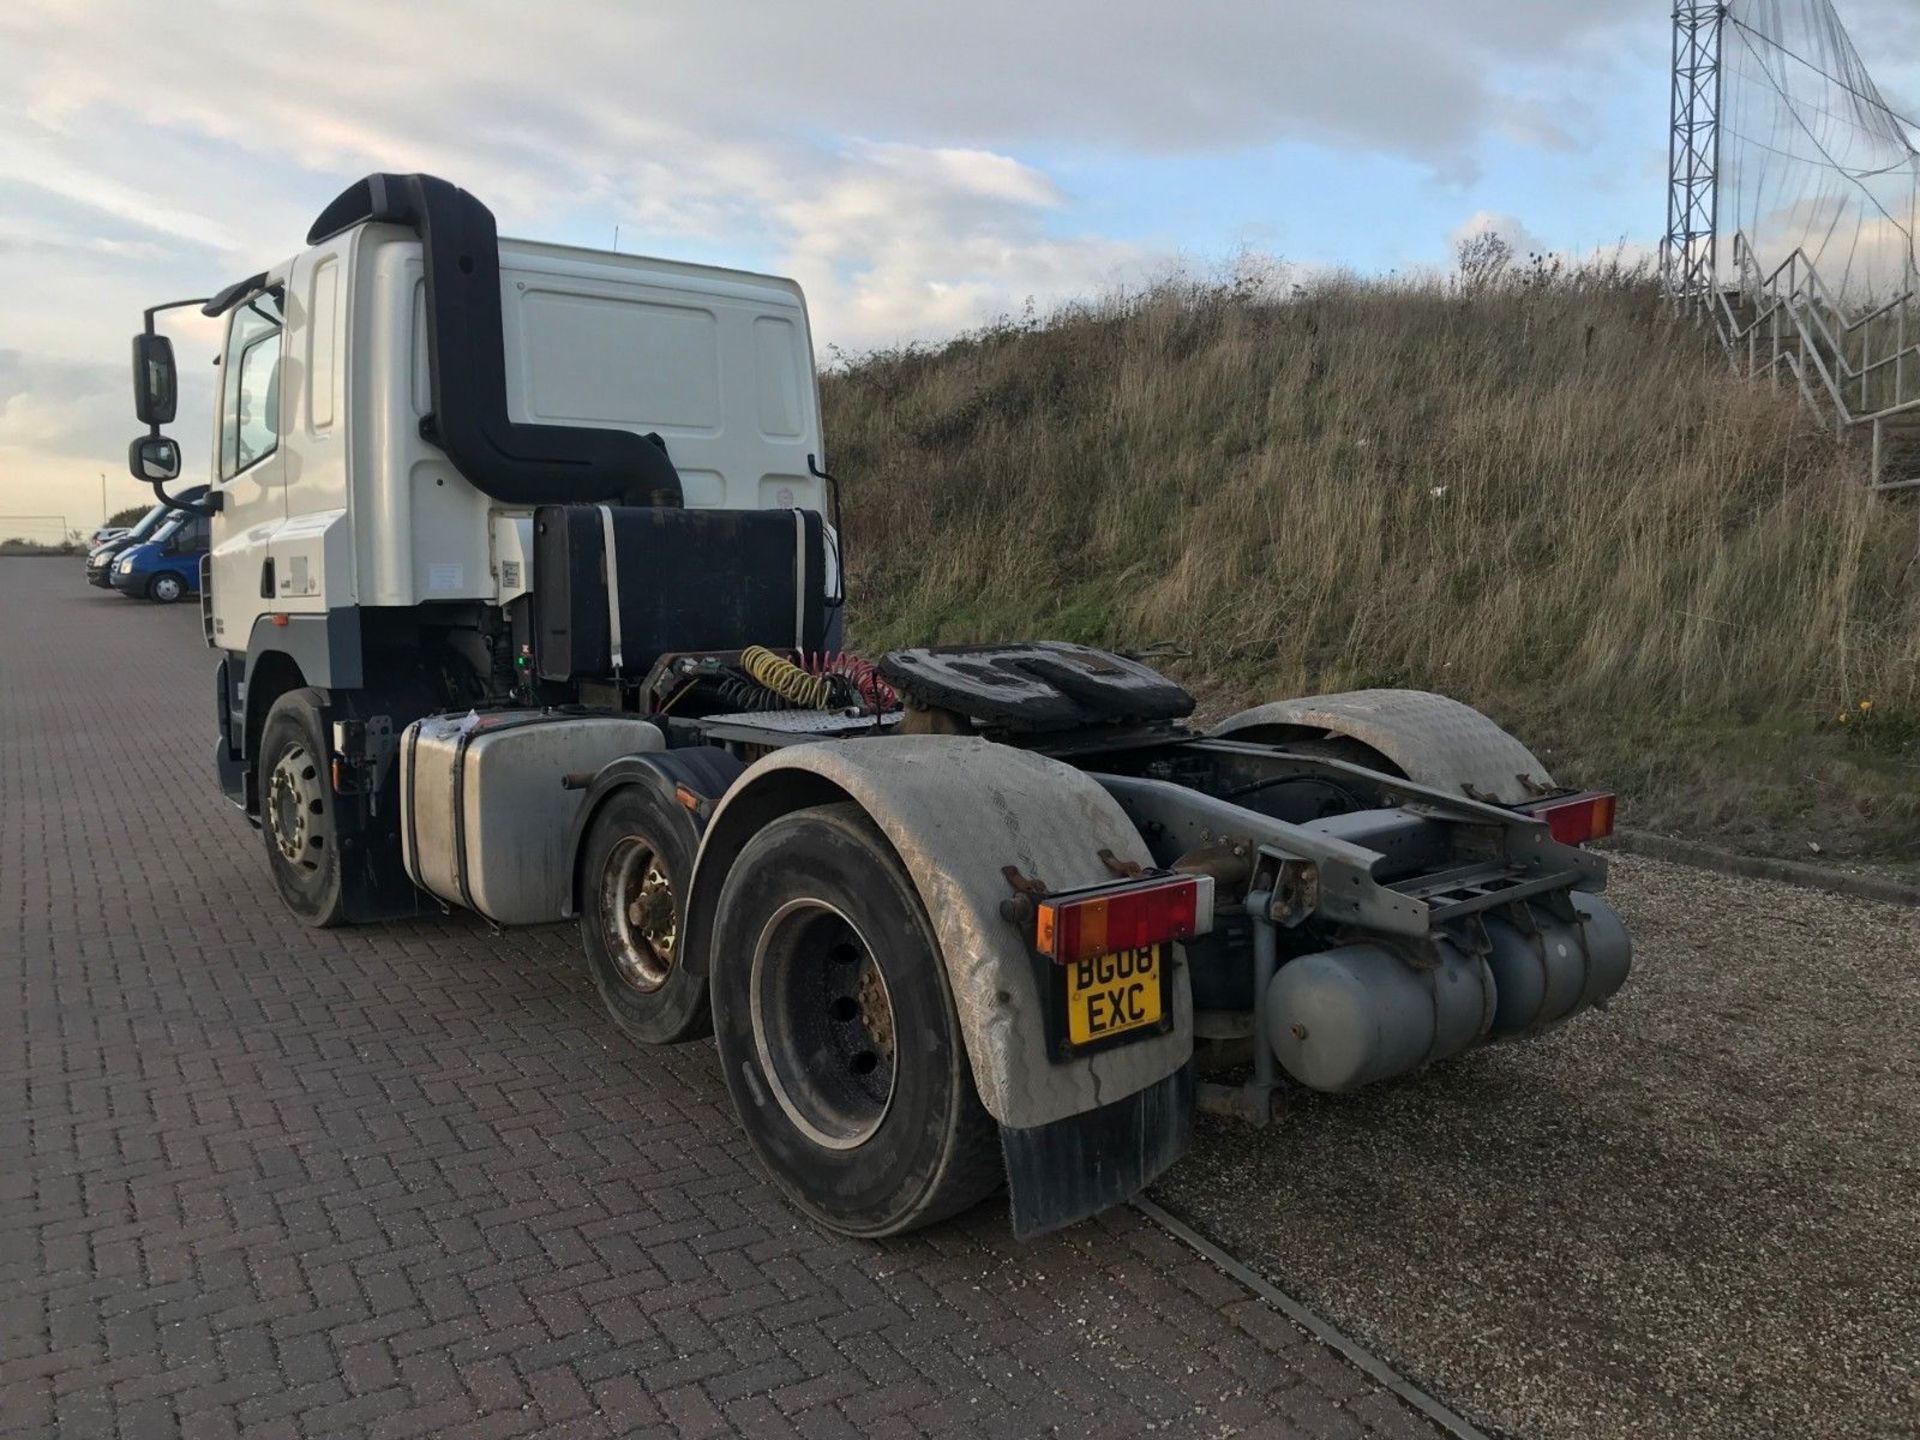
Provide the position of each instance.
(166, 588)
(823, 1024)
(296, 803)
(638, 915)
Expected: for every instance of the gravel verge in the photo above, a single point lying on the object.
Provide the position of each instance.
(1697, 1213)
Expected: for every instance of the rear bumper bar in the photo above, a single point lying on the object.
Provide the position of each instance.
(1329, 869)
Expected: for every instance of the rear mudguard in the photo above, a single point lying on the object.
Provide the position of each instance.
(1431, 739)
(1079, 1134)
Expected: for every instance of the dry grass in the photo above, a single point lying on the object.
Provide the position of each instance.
(1537, 491)
(41, 547)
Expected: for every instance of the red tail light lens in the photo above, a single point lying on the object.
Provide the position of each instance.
(1071, 928)
(1578, 818)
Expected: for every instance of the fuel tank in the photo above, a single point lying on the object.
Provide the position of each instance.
(485, 821)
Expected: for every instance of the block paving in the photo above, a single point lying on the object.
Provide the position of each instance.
(406, 1180)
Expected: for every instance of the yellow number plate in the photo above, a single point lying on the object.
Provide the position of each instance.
(1112, 994)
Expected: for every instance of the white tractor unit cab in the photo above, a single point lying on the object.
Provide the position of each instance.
(527, 583)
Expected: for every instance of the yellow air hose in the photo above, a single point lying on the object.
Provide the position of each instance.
(786, 679)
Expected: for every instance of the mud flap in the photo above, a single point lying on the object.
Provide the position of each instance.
(1069, 1170)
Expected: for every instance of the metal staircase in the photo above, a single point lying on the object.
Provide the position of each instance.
(1859, 370)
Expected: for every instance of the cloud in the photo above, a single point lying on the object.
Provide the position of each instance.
(56, 409)
(905, 161)
(906, 242)
(72, 180)
(452, 84)
(677, 122)
(1520, 240)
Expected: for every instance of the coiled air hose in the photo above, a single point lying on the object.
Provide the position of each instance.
(786, 679)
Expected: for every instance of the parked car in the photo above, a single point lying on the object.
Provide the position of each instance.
(100, 559)
(106, 533)
(168, 565)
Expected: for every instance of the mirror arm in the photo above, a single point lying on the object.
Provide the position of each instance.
(153, 310)
(210, 505)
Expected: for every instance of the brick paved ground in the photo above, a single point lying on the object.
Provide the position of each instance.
(406, 1180)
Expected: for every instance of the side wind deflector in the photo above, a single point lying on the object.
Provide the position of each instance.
(466, 361)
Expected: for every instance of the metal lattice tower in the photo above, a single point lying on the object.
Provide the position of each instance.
(1688, 253)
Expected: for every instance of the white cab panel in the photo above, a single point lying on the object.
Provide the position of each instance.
(718, 363)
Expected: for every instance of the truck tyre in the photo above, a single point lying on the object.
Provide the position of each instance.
(296, 810)
(164, 589)
(635, 866)
(837, 1033)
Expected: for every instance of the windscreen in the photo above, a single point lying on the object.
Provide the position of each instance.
(148, 523)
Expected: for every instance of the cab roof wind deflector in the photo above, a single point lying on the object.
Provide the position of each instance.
(466, 361)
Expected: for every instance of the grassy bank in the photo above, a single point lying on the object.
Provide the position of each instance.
(1539, 492)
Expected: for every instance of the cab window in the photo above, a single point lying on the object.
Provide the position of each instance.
(250, 386)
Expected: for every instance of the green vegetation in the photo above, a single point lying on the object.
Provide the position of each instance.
(1538, 490)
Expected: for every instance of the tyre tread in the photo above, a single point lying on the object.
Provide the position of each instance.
(970, 1167)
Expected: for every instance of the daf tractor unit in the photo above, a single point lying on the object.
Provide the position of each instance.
(527, 581)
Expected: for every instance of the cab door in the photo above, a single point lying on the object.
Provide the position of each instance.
(249, 468)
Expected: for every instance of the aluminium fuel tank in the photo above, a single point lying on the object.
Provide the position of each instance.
(484, 818)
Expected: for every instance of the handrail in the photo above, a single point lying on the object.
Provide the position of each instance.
(1884, 361)
(1796, 326)
(1886, 309)
(1743, 250)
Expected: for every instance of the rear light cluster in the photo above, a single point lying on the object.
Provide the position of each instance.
(1074, 927)
(1578, 818)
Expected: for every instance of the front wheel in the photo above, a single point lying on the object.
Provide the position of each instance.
(166, 589)
(637, 861)
(297, 810)
(838, 1035)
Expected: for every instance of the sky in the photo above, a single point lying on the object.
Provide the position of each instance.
(921, 168)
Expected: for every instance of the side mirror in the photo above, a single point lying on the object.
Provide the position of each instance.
(153, 458)
(156, 387)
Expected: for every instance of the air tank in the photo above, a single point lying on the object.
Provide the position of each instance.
(1542, 977)
(1340, 1019)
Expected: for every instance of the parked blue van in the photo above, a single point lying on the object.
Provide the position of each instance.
(167, 565)
(100, 559)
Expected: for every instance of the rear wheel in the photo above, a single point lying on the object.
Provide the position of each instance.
(837, 1032)
(297, 810)
(166, 588)
(637, 861)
